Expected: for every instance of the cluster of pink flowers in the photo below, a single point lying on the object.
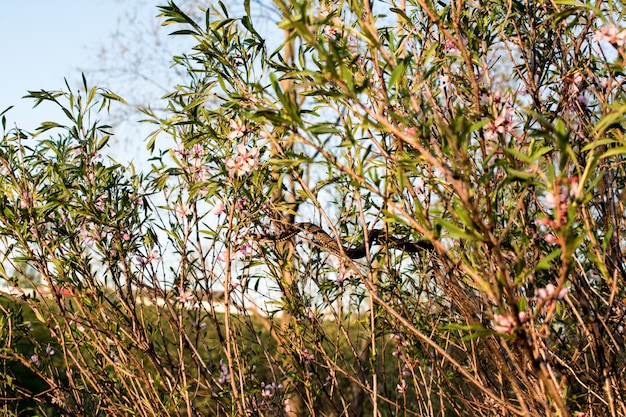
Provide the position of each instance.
(452, 49)
(89, 234)
(506, 324)
(612, 34)
(307, 357)
(245, 162)
(195, 161)
(550, 293)
(219, 208)
(245, 249)
(501, 125)
(269, 390)
(182, 211)
(154, 256)
(238, 129)
(343, 274)
(559, 204)
(224, 373)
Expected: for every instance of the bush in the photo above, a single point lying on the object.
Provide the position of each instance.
(408, 208)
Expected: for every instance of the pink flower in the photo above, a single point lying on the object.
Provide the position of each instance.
(523, 317)
(198, 150)
(17, 291)
(218, 209)
(74, 320)
(401, 387)
(223, 258)
(503, 324)
(411, 131)
(238, 128)
(550, 201)
(343, 274)
(502, 124)
(550, 239)
(88, 234)
(550, 293)
(153, 256)
(245, 249)
(35, 359)
(185, 296)
(611, 34)
(331, 32)
(49, 350)
(181, 151)
(246, 161)
(182, 211)
(100, 202)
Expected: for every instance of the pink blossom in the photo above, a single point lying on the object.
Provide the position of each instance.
(182, 151)
(25, 202)
(224, 373)
(182, 210)
(219, 208)
(550, 201)
(307, 357)
(331, 32)
(502, 124)
(343, 274)
(49, 350)
(246, 161)
(401, 387)
(451, 47)
(35, 359)
(198, 150)
(503, 324)
(604, 83)
(88, 234)
(238, 129)
(550, 293)
(17, 291)
(185, 296)
(419, 187)
(523, 317)
(224, 258)
(611, 34)
(549, 238)
(63, 291)
(154, 256)
(100, 202)
(74, 320)
(246, 249)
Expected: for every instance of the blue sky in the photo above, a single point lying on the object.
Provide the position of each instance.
(43, 41)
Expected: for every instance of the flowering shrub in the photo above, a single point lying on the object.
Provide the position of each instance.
(493, 132)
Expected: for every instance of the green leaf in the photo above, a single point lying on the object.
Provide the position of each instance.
(546, 261)
(454, 231)
(614, 151)
(398, 72)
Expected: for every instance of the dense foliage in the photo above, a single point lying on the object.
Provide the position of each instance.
(489, 133)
